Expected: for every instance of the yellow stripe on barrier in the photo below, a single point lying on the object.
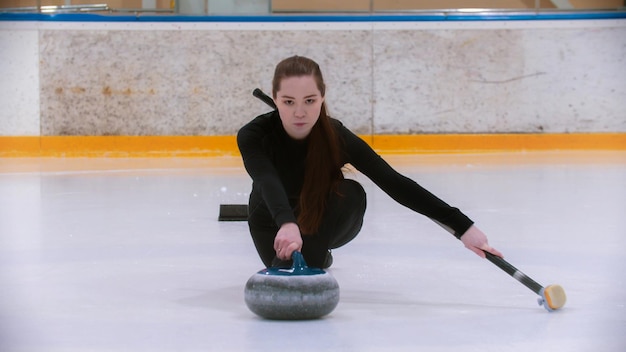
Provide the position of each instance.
(118, 146)
(206, 146)
(19, 146)
(455, 143)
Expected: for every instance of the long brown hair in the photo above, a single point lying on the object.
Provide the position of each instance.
(323, 160)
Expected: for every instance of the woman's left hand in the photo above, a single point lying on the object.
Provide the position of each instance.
(476, 241)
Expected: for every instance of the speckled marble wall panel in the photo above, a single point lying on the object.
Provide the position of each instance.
(523, 80)
(110, 82)
(19, 89)
(583, 85)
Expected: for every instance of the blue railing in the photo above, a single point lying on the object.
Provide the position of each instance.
(357, 17)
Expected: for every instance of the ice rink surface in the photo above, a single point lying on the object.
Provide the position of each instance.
(128, 255)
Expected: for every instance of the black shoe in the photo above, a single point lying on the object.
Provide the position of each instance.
(328, 261)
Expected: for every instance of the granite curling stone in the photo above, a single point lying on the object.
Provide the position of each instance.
(296, 293)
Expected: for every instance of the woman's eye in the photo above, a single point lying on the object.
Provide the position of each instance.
(288, 102)
(310, 101)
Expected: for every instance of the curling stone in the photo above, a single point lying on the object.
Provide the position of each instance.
(295, 293)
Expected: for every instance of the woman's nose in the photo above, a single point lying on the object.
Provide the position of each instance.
(300, 111)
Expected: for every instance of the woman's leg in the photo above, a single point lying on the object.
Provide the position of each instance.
(263, 231)
(341, 223)
(263, 239)
(344, 214)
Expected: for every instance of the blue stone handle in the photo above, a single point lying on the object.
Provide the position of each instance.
(298, 268)
(299, 264)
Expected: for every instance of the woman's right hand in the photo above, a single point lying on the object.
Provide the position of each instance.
(288, 239)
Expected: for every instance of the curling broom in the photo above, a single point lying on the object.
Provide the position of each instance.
(551, 297)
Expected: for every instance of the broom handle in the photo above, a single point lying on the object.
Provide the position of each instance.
(515, 273)
(264, 97)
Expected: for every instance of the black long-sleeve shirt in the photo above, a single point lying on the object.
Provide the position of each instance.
(276, 164)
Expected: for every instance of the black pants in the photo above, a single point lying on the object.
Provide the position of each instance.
(341, 223)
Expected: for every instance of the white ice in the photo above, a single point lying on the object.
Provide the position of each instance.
(128, 255)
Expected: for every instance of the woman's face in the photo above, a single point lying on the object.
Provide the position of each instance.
(299, 103)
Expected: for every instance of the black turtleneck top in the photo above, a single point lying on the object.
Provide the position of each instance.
(276, 163)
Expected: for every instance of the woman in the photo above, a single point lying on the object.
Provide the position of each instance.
(300, 200)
